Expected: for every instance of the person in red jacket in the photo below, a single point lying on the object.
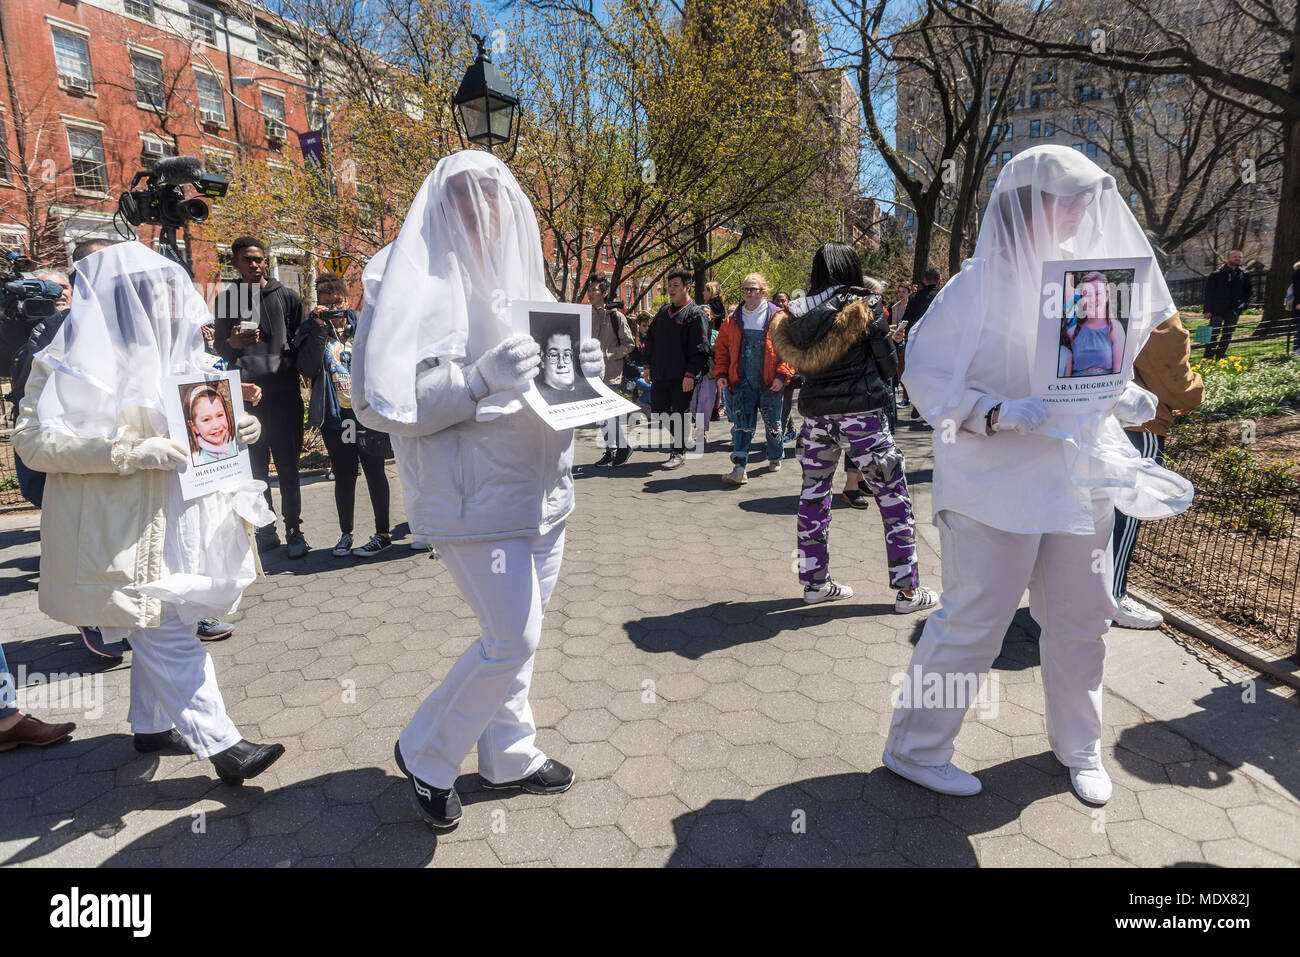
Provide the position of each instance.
(745, 362)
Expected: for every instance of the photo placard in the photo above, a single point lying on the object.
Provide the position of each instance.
(202, 411)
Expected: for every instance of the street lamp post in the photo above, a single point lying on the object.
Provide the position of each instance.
(485, 109)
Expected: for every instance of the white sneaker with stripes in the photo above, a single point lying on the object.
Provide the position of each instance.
(827, 591)
(922, 599)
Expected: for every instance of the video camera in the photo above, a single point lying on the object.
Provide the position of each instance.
(162, 202)
(25, 299)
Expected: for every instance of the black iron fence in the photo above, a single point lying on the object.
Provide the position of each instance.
(1190, 292)
(1233, 558)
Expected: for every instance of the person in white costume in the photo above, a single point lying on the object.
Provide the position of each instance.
(119, 543)
(485, 479)
(1023, 498)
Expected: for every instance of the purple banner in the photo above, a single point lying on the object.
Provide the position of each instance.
(313, 150)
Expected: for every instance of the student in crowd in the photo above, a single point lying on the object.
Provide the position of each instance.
(324, 351)
(610, 326)
(837, 336)
(120, 545)
(264, 356)
(677, 353)
(747, 365)
(1164, 368)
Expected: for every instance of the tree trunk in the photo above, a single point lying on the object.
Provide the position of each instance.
(924, 235)
(1286, 237)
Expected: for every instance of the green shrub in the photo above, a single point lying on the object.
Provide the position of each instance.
(1268, 385)
(9, 482)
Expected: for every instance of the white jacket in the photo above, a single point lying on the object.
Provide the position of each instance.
(466, 480)
(102, 533)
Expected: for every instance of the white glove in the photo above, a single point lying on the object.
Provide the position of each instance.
(158, 452)
(592, 356)
(1022, 415)
(1135, 406)
(508, 365)
(249, 429)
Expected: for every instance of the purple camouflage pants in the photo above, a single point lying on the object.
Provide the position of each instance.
(867, 438)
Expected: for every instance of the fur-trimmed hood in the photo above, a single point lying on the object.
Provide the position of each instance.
(815, 341)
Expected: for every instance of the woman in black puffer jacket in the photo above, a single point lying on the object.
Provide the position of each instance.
(837, 337)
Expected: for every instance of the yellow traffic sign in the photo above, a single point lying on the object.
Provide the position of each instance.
(337, 262)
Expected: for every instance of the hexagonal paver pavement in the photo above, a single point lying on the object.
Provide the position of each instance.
(712, 719)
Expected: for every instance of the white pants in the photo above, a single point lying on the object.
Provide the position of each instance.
(507, 583)
(985, 571)
(173, 685)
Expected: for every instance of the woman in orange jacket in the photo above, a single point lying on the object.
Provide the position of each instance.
(745, 362)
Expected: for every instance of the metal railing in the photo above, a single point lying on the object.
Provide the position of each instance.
(1233, 558)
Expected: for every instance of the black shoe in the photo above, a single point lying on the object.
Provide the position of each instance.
(439, 806)
(551, 778)
(916, 413)
(245, 760)
(621, 457)
(855, 498)
(267, 539)
(162, 741)
(605, 460)
(210, 629)
(298, 546)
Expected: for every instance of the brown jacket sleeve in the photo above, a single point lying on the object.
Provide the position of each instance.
(1164, 367)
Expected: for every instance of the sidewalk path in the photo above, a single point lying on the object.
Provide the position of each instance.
(711, 717)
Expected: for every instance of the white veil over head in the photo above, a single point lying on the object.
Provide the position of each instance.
(469, 246)
(1049, 203)
(135, 318)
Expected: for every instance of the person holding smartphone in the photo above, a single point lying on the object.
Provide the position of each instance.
(324, 349)
(257, 320)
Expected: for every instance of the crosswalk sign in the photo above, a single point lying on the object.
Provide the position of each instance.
(337, 262)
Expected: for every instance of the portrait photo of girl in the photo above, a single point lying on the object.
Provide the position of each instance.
(1092, 333)
(209, 419)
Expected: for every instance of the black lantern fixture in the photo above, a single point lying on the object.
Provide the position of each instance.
(485, 107)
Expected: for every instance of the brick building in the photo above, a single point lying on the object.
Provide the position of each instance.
(95, 90)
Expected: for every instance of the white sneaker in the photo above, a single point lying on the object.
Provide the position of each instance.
(942, 778)
(922, 599)
(1091, 784)
(675, 461)
(1134, 614)
(736, 476)
(829, 591)
(774, 465)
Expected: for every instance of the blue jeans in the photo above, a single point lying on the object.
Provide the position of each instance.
(8, 688)
(30, 483)
(747, 400)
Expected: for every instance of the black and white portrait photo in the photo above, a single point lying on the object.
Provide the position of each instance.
(560, 381)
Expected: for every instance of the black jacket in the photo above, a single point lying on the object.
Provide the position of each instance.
(844, 352)
(1227, 290)
(269, 363)
(677, 343)
(917, 304)
(42, 334)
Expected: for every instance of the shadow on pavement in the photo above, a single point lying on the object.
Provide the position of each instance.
(1262, 732)
(873, 819)
(695, 632)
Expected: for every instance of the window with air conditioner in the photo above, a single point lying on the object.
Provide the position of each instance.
(72, 60)
(212, 103)
(140, 8)
(203, 24)
(218, 162)
(273, 112)
(149, 89)
(88, 167)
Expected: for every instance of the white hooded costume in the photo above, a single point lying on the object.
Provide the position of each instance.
(1034, 508)
(120, 547)
(488, 482)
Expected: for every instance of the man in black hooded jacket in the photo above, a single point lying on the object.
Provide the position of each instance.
(257, 320)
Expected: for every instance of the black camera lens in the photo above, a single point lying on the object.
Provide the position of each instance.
(194, 209)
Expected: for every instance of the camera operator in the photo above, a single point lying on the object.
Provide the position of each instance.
(257, 320)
